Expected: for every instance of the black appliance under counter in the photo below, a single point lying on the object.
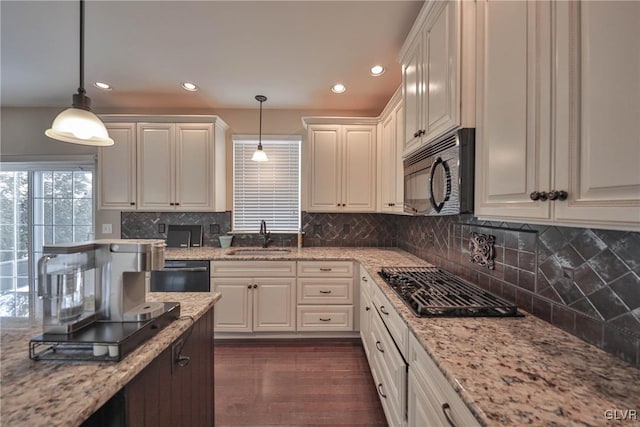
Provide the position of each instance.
(182, 276)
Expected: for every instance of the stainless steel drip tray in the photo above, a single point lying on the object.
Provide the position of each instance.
(433, 292)
(79, 345)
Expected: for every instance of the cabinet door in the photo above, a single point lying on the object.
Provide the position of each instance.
(194, 158)
(235, 314)
(274, 304)
(399, 137)
(513, 151)
(388, 164)
(117, 168)
(598, 107)
(420, 409)
(324, 168)
(440, 75)
(366, 308)
(359, 168)
(412, 96)
(156, 166)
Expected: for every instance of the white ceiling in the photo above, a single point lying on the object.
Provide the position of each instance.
(290, 51)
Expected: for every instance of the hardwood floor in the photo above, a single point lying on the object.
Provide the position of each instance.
(294, 383)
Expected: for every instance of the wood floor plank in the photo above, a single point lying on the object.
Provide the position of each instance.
(294, 383)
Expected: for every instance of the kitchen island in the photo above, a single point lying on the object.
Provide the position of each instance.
(53, 393)
(508, 371)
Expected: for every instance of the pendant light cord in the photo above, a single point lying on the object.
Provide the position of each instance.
(260, 128)
(81, 88)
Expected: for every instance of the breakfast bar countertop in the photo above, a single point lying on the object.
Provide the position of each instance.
(509, 371)
(55, 393)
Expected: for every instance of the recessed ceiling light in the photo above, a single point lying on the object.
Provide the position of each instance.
(377, 70)
(338, 88)
(189, 86)
(103, 86)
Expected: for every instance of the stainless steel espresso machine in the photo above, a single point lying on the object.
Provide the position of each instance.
(94, 299)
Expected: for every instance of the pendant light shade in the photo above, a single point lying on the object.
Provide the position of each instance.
(259, 155)
(78, 124)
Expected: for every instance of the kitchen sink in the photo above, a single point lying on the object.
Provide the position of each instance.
(259, 251)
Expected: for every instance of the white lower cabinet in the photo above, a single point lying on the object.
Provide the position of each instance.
(432, 401)
(389, 372)
(257, 296)
(325, 296)
(366, 310)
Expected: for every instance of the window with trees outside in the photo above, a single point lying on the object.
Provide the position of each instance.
(270, 190)
(40, 204)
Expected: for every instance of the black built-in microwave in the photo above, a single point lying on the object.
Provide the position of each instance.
(439, 177)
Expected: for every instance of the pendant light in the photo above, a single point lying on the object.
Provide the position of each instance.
(259, 155)
(78, 124)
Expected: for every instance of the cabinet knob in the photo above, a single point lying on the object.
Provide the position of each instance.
(557, 195)
(177, 204)
(538, 195)
(416, 134)
(249, 286)
(255, 286)
(132, 203)
(367, 308)
(171, 204)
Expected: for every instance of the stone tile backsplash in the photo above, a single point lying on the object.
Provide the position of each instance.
(585, 281)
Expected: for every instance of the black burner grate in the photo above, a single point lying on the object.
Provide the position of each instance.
(431, 291)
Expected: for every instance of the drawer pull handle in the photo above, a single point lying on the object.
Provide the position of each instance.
(382, 310)
(384, 396)
(364, 279)
(380, 349)
(325, 292)
(325, 269)
(445, 410)
(325, 320)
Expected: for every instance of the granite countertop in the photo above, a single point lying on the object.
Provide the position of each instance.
(509, 371)
(53, 393)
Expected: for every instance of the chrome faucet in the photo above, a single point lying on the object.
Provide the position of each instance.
(265, 235)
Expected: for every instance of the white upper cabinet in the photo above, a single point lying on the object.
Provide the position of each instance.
(390, 147)
(513, 133)
(438, 65)
(171, 166)
(597, 101)
(556, 140)
(117, 169)
(342, 166)
(156, 166)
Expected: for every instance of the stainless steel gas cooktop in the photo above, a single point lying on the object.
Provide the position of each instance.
(431, 292)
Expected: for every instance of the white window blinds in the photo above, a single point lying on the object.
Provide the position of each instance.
(270, 190)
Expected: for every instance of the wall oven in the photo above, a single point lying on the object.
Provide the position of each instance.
(439, 178)
(181, 276)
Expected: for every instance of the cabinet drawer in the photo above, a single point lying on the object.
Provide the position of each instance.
(437, 388)
(392, 320)
(338, 290)
(325, 269)
(325, 318)
(253, 268)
